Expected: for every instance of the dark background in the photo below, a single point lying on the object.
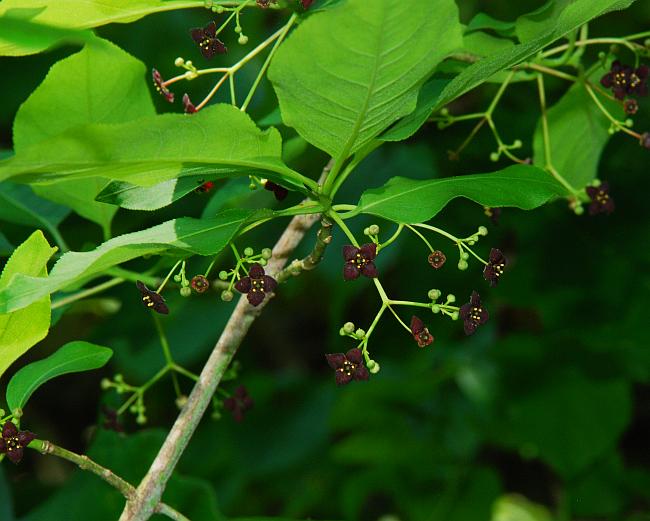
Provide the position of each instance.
(550, 400)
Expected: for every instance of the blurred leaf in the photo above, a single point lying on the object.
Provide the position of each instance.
(338, 104)
(517, 508)
(578, 134)
(6, 503)
(599, 492)
(483, 21)
(74, 357)
(568, 422)
(520, 186)
(153, 149)
(19, 205)
(234, 191)
(5, 246)
(79, 14)
(178, 236)
(21, 330)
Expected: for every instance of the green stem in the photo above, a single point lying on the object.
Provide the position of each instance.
(162, 285)
(416, 232)
(398, 318)
(166, 352)
(400, 227)
(86, 293)
(612, 119)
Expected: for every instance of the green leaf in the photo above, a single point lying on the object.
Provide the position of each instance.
(483, 21)
(539, 21)
(410, 201)
(340, 87)
(134, 197)
(578, 133)
(73, 357)
(19, 205)
(154, 149)
(21, 330)
(517, 508)
(5, 246)
(178, 236)
(578, 13)
(79, 14)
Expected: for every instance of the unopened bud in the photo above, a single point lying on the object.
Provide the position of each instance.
(179, 62)
(462, 265)
(373, 229)
(348, 327)
(434, 294)
(482, 230)
(227, 295)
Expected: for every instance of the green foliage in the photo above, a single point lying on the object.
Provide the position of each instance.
(520, 186)
(517, 508)
(6, 503)
(134, 197)
(73, 357)
(181, 236)
(21, 330)
(483, 21)
(19, 205)
(339, 104)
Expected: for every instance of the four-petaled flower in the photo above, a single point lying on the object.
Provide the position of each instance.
(420, 333)
(238, 403)
(159, 83)
(494, 268)
(437, 259)
(188, 106)
(256, 285)
(601, 202)
(280, 192)
(348, 366)
(630, 106)
(13, 441)
(207, 40)
(151, 299)
(624, 80)
(111, 421)
(473, 313)
(359, 261)
(200, 284)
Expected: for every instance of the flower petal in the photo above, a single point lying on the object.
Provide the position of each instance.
(255, 297)
(354, 355)
(256, 271)
(270, 284)
(369, 270)
(349, 252)
(416, 325)
(361, 373)
(343, 378)
(15, 455)
(9, 430)
(210, 29)
(350, 271)
(368, 251)
(197, 34)
(243, 285)
(3, 446)
(26, 437)
(335, 360)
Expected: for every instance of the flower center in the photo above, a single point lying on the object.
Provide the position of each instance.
(602, 197)
(205, 42)
(13, 444)
(634, 80)
(348, 368)
(147, 300)
(257, 285)
(498, 268)
(359, 261)
(475, 313)
(621, 79)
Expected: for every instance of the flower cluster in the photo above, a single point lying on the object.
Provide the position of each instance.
(13, 442)
(624, 80)
(256, 285)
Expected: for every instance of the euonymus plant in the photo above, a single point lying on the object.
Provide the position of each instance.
(348, 77)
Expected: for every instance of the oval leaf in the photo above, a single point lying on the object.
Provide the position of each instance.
(73, 357)
(409, 201)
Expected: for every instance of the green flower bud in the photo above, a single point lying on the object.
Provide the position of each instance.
(104, 384)
(451, 298)
(267, 253)
(464, 255)
(611, 130)
(262, 262)
(629, 122)
(373, 367)
(434, 294)
(517, 143)
(373, 229)
(189, 64)
(366, 231)
(444, 111)
(141, 419)
(482, 230)
(181, 401)
(177, 277)
(462, 265)
(248, 251)
(2, 412)
(219, 9)
(118, 377)
(471, 242)
(185, 291)
(342, 332)
(252, 186)
(134, 409)
(238, 29)
(360, 333)
(579, 210)
(179, 62)
(602, 55)
(227, 295)
(494, 157)
(435, 308)
(242, 40)
(348, 327)
(455, 315)
(223, 275)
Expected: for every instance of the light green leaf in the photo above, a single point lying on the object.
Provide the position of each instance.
(19, 205)
(21, 330)
(73, 357)
(178, 236)
(411, 201)
(80, 14)
(154, 149)
(513, 507)
(578, 133)
(339, 87)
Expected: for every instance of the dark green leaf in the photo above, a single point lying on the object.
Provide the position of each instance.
(19, 205)
(410, 201)
(5, 246)
(339, 104)
(517, 508)
(73, 357)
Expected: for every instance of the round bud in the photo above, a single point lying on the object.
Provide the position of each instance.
(207, 4)
(238, 29)
(373, 367)
(596, 182)
(181, 401)
(614, 48)
(141, 419)
(342, 332)
(104, 384)
(471, 242)
(262, 262)
(223, 275)
(482, 230)
(189, 64)
(451, 298)
(602, 55)
(647, 43)
(373, 229)
(494, 157)
(455, 315)
(219, 9)
(242, 40)
(177, 277)
(435, 308)
(579, 210)
(133, 409)
(227, 295)
(366, 231)
(186, 291)
(444, 111)
(464, 255)
(248, 251)
(517, 143)
(252, 186)
(179, 62)
(2, 412)
(611, 130)
(462, 265)
(360, 333)
(629, 122)
(434, 294)
(348, 327)
(267, 253)
(118, 377)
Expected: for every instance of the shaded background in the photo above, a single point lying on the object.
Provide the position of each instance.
(549, 400)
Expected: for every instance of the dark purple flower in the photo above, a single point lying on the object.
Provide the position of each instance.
(348, 366)
(200, 284)
(601, 202)
(624, 80)
(420, 333)
(151, 299)
(207, 40)
(111, 421)
(437, 259)
(473, 313)
(630, 106)
(644, 140)
(13, 441)
(256, 285)
(238, 403)
(359, 261)
(188, 106)
(280, 192)
(494, 268)
(159, 83)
